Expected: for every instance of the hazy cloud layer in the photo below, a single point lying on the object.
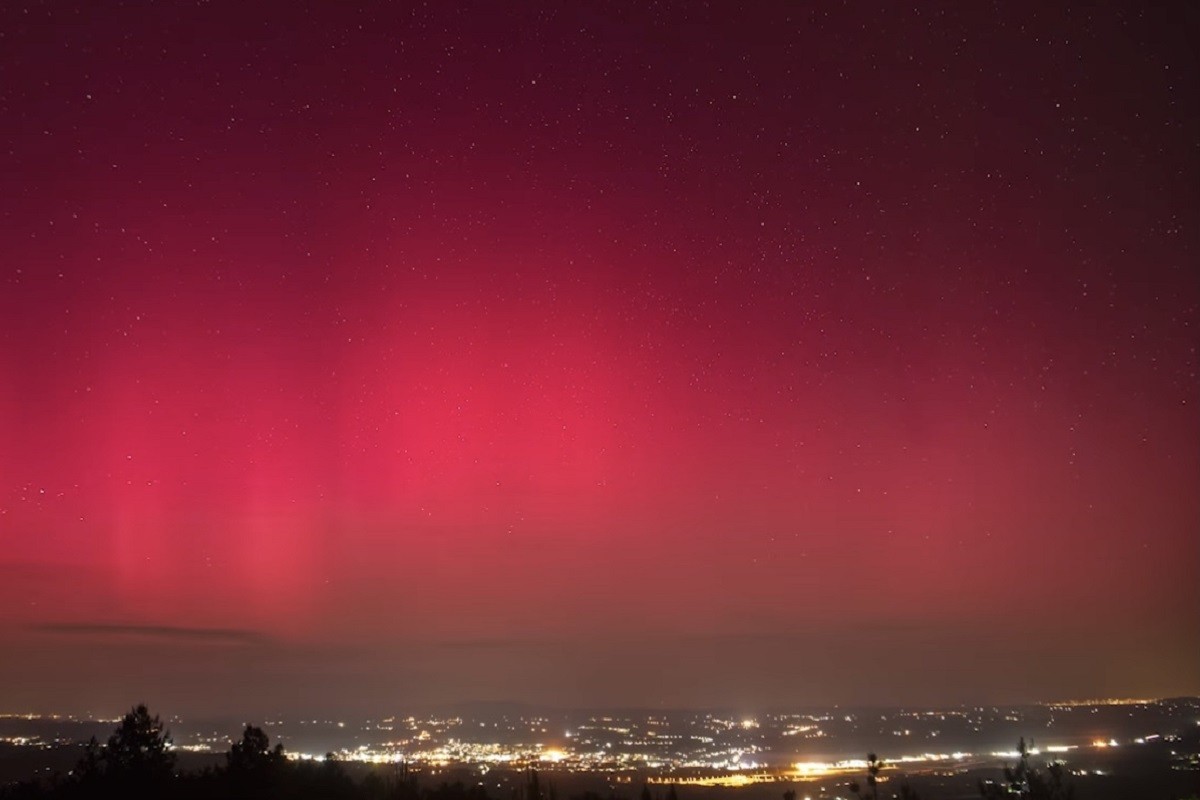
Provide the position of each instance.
(223, 636)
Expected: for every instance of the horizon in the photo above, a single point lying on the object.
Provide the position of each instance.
(502, 707)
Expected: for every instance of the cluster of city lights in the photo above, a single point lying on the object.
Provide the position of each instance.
(706, 749)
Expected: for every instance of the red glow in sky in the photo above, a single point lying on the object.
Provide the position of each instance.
(602, 355)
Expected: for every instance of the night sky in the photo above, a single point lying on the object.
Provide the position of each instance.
(654, 354)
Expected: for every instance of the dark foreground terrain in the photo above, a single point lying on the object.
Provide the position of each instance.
(138, 760)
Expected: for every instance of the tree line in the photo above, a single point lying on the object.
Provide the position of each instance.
(1022, 781)
(137, 761)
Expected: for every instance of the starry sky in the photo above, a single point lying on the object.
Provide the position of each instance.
(655, 354)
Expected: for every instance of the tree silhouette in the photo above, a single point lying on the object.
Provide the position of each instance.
(533, 789)
(135, 761)
(1023, 781)
(1053, 785)
(91, 766)
(139, 746)
(253, 769)
(872, 790)
(874, 765)
(253, 753)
